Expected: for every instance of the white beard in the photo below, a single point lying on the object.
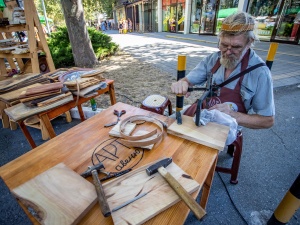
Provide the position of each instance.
(230, 62)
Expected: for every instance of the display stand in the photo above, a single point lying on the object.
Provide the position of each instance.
(36, 42)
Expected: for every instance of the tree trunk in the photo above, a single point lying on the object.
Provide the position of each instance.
(83, 52)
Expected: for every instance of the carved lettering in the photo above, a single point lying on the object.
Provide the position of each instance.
(125, 162)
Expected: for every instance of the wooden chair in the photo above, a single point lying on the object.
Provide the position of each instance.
(235, 150)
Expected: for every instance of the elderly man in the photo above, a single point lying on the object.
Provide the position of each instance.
(249, 98)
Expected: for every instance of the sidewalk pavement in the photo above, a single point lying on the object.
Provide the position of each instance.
(162, 49)
(271, 158)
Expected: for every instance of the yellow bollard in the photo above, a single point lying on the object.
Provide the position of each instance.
(288, 205)
(181, 66)
(271, 54)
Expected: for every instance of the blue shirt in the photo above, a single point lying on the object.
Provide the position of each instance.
(256, 89)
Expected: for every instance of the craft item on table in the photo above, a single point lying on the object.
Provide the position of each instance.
(143, 132)
(57, 196)
(21, 81)
(47, 99)
(91, 90)
(56, 73)
(81, 83)
(143, 140)
(21, 111)
(115, 131)
(12, 97)
(53, 99)
(159, 194)
(41, 91)
(212, 135)
(72, 75)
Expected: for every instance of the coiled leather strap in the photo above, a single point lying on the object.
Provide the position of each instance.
(139, 141)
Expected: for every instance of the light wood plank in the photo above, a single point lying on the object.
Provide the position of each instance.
(213, 135)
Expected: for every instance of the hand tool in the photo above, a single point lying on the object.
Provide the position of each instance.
(128, 202)
(93, 170)
(114, 174)
(183, 194)
(118, 114)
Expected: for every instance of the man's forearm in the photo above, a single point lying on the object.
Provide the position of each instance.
(253, 121)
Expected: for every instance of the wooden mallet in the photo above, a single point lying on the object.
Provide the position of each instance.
(177, 187)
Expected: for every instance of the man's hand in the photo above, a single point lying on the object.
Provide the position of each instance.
(253, 121)
(225, 108)
(181, 87)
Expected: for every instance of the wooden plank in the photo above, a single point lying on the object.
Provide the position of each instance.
(21, 112)
(159, 195)
(213, 135)
(57, 196)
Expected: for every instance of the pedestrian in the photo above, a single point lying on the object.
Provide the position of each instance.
(103, 26)
(249, 98)
(129, 25)
(125, 26)
(120, 26)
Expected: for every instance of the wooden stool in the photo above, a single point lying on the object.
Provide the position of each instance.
(157, 104)
(235, 149)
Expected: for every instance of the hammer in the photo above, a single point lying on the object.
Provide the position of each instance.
(93, 170)
(183, 194)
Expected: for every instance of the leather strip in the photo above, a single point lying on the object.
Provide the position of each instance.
(138, 141)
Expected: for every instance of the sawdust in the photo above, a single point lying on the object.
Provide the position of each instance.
(134, 80)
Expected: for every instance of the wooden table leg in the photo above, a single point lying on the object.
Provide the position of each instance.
(112, 94)
(48, 126)
(4, 117)
(27, 134)
(80, 111)
(207, 185)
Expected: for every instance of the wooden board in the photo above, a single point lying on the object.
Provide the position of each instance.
(20, 111)
(160, 195)
(213, 135)
(57, 196)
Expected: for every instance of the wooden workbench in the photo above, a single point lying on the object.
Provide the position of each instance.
(76, 146)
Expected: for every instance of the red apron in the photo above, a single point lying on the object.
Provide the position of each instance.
(231, 96)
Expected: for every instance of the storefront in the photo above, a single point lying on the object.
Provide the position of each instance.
(173, 15)
(277, 20)
(143, 15)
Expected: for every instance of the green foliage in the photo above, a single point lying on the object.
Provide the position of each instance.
(61, 51)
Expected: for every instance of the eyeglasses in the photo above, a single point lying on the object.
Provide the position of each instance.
(235, 49)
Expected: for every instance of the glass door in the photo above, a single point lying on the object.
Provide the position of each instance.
(286, 28)
(173, 18)
(180, 17)
(208, 17)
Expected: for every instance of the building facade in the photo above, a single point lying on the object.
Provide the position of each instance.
(277, 20)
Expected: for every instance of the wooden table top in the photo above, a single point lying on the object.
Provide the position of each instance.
(75, 148)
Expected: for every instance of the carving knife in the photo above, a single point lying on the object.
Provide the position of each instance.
(128, 202)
